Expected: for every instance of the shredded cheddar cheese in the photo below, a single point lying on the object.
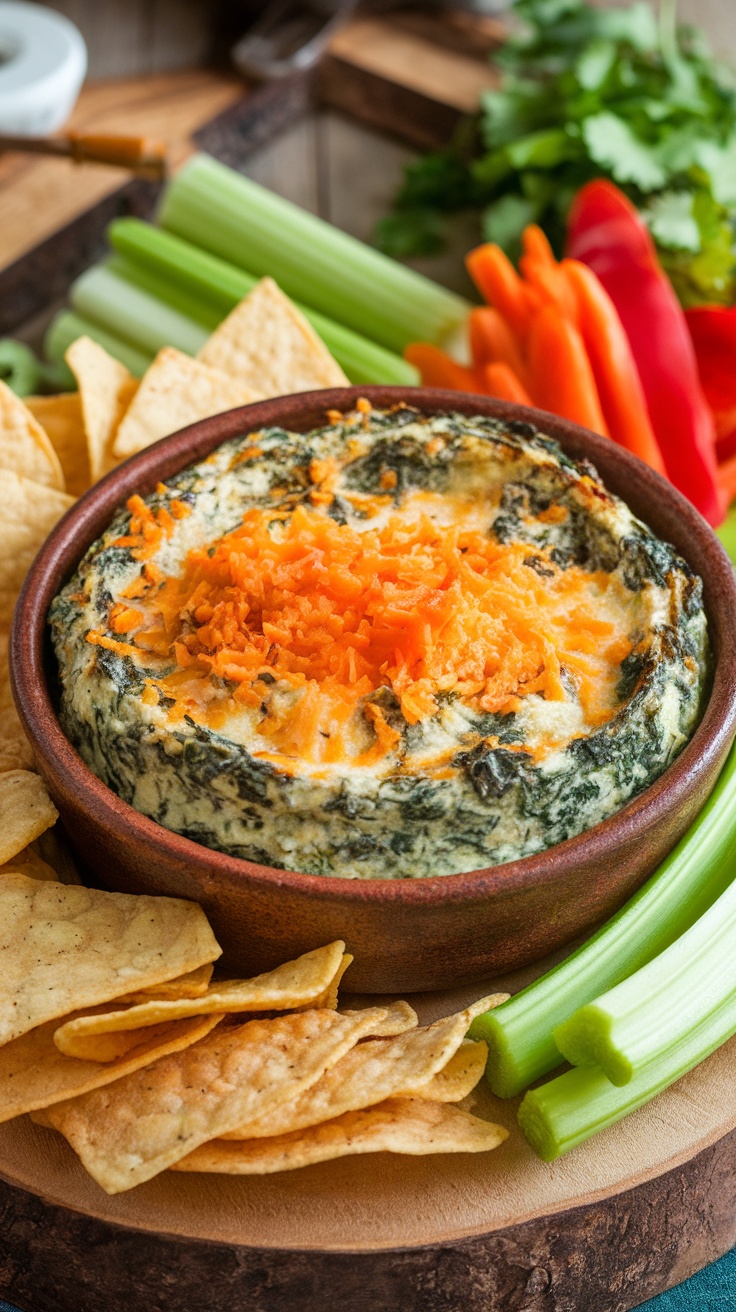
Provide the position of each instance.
(331, 614)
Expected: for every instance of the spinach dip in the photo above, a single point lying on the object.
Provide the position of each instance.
(393, 647)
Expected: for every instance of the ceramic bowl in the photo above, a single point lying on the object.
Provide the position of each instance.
(406, 935)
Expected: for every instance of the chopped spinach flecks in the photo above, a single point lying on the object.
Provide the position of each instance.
(463, 787)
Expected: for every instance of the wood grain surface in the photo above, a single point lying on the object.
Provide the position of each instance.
(133, 38)
(39, 196)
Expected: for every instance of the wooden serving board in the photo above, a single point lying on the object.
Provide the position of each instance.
(636, 1210)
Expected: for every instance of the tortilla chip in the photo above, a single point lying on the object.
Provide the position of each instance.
(399, 1125)
(267, 344)
(106, 389)
(61, 419)
(370, 1073)
(399, 1018)
(144, 1122)
(191, 985)
(65, 948)
(459, 1077)
(329, 997)
(8, 598)
(25, 811)
(24, 447)
(293, 985)
(175, 391)
(34, 1074)
(30, 511)
(30, 864)
(53, 848)
(16, 752)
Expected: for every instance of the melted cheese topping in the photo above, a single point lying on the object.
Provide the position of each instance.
(293, 621)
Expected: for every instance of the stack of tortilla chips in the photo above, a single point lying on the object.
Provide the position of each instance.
(112, 1030)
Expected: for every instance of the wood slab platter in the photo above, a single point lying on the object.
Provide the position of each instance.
(622, 1218)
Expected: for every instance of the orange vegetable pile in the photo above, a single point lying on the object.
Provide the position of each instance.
(336, 613)
(550, 336)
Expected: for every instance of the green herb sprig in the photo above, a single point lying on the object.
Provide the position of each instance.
(585, 93)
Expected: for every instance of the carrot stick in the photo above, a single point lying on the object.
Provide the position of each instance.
(491, 340)
(550, 287)
(438, 370)
(499, 284)
(500, 380)
(614, 369)
(540, 271)
(562, 379)
(536, 246)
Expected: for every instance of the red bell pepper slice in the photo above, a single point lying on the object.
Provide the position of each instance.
(606, 233)
(713, 333)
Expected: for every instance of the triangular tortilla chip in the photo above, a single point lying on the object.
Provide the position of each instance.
(371, 1072)
(295, 984)
(267, 344)
(61, 419)
(53, 848)
(24, 447)
(65, 948)
(8, 598)
(191, 985)
(26, 810)
(399, 1018)
(459, 1077)
(30, 511)
(106, 389)
(399, 1125)
(34, 1074)
(175, 391)
(27, 862)
(329, 997)
(16, 752)
(136, 1127)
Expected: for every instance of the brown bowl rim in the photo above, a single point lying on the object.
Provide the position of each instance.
(87, 518)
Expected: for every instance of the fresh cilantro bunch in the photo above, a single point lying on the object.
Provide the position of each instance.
(584, 93)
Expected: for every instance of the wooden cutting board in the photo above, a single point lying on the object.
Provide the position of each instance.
(629, 1214)
(53, 213)
(410, 74)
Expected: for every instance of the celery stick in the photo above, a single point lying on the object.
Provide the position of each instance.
(656, 1008)
(130, 313)
(213, 281)
(227, 214)
(66, 327)
(169, 293)
(519, 1034)
(566, 1111)
(206, 288)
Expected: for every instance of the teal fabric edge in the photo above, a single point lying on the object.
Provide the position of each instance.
(712, 1290)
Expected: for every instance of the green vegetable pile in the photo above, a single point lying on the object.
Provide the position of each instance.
(586, 93)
